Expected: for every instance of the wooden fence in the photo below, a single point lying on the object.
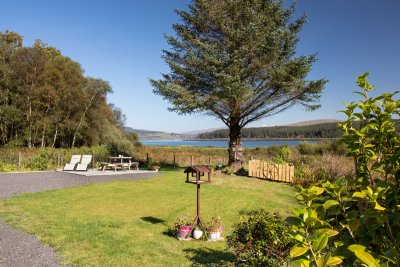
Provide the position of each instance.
(272, 171)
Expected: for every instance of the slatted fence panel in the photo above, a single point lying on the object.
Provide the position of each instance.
(272, 171)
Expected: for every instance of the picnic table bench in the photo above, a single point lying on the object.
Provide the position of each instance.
(120, 163)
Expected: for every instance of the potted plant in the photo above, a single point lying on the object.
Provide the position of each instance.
(197, 233)
(153, 165)
(182, 227)
(215, 228)
(155, 168)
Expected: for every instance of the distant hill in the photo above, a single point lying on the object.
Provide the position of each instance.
(313, 122)
(196, 132)
(154, 135)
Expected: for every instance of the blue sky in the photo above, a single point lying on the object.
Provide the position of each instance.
(121, 42)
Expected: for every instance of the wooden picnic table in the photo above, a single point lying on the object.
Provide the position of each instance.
(120, 162)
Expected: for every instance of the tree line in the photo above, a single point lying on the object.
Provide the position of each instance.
(47, 101)
(322, 130)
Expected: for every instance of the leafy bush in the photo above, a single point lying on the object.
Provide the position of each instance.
(356, 221)
(260, 239)
(228, 170)
(311, 169)
(304, 175)
(278, 160)
(322, 148)
(45, 160)
(6, 167)
(153, 163)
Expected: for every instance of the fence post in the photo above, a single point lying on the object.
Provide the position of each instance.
(93, 162)
(191, 160)
(19, 161)
(209, 161)
(147, 158)
(58, 160)
(174, 160)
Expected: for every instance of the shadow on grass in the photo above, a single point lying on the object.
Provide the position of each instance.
(152, 220)
(169, 233)
(209, 256)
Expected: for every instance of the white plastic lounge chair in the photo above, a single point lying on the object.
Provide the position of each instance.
(83, 166)
(74, 161)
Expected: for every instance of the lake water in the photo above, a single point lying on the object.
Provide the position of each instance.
(222, 143)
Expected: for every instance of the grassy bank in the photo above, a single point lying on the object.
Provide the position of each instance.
(126, 223)
(183, 156)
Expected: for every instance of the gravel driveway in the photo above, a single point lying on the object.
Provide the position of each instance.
(21, 249)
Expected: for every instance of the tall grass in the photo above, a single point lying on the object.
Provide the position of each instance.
(51, 158)
(40, 159)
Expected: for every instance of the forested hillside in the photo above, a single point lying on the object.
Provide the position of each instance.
(324, 130)
(47, 101)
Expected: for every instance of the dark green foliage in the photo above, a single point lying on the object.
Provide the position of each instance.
(323, 130)
(235, 60)
(356, 221)
(46, 101)
(260, 239)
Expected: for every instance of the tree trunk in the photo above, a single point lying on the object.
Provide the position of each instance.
(82, 118)
(35, 135)
(43, 135)
(55, 136)
(29, 118)
(235, 149)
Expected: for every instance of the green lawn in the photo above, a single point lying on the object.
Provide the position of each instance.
(126, 223)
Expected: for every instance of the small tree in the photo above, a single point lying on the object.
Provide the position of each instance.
(234, 60)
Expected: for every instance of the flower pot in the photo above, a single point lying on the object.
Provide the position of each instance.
(155, 168)
(197, 234)
(214, 235)
(184, 231)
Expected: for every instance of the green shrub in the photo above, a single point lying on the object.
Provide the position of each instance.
(310, 169)
(304, 175)
(335, 147)
(278, 160)
(260, 239)
(356, 221)
(153, 163)
(306, 148)
(44, 160)
(7, 167)
(228, 170)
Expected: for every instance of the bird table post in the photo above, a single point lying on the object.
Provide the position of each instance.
(197, 172)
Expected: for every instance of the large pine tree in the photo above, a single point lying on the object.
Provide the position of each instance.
(235, 60)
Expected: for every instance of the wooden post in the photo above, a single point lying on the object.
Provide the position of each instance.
(209, 161)
(198, 198)
(19, 161)
(93, 162)
(147, 158)
(174, 160)
(191, 160)
(58, 160)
